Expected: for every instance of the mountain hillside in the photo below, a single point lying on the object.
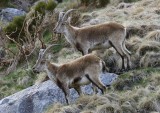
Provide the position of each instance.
(135, 91)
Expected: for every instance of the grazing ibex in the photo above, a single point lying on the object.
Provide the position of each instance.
(93, 37)
(82, 71)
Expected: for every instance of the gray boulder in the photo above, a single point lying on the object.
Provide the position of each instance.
(8, 14)
(37, 98)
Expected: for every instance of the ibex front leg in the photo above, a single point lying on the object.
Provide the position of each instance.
(65, 90)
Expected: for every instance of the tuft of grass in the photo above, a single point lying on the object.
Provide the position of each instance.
(147, 104)
(40, 78)
(133, 43)
(127, 107)
(155, 78)
(56, 108)
(97, 101)
(106, 108)
(153, 36)
(70, 109)
(150, 59)
(147, 46)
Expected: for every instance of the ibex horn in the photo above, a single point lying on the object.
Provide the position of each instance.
(49, 48)
(68, 12)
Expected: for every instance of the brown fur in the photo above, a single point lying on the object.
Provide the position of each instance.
(102, 31)
(87, 39)
(82, 71)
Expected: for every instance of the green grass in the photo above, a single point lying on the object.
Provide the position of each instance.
(47, 37)
(48, 40)
(14, 81)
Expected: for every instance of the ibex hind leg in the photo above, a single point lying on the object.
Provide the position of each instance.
(97, 83)
(118, 48)
(128, 55)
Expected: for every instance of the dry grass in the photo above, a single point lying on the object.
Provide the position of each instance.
(56, 108)
(108, 108)
(153, 36)
(150, 59)
(71, 109)
(68, 54)
(40, 78)
(137, 10)
(133, 43)
(155, 78)
(147, 46)
(147, 104)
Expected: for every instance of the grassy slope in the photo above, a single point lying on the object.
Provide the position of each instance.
(126, 94)
(135, 91)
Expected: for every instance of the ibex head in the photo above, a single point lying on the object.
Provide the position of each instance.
(63, 20)
(40, 63)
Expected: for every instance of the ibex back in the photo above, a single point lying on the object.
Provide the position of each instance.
(93, 37)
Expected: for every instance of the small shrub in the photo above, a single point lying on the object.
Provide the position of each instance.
(14, 28)
(50, 5)
(40, 7)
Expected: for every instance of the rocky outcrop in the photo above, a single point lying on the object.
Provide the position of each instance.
(37, 98)
(8, 14)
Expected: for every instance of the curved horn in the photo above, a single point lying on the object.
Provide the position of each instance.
(68, 12)
(49, 48)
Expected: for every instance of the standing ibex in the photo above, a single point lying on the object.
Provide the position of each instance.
(86, 39)
(82, 71)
